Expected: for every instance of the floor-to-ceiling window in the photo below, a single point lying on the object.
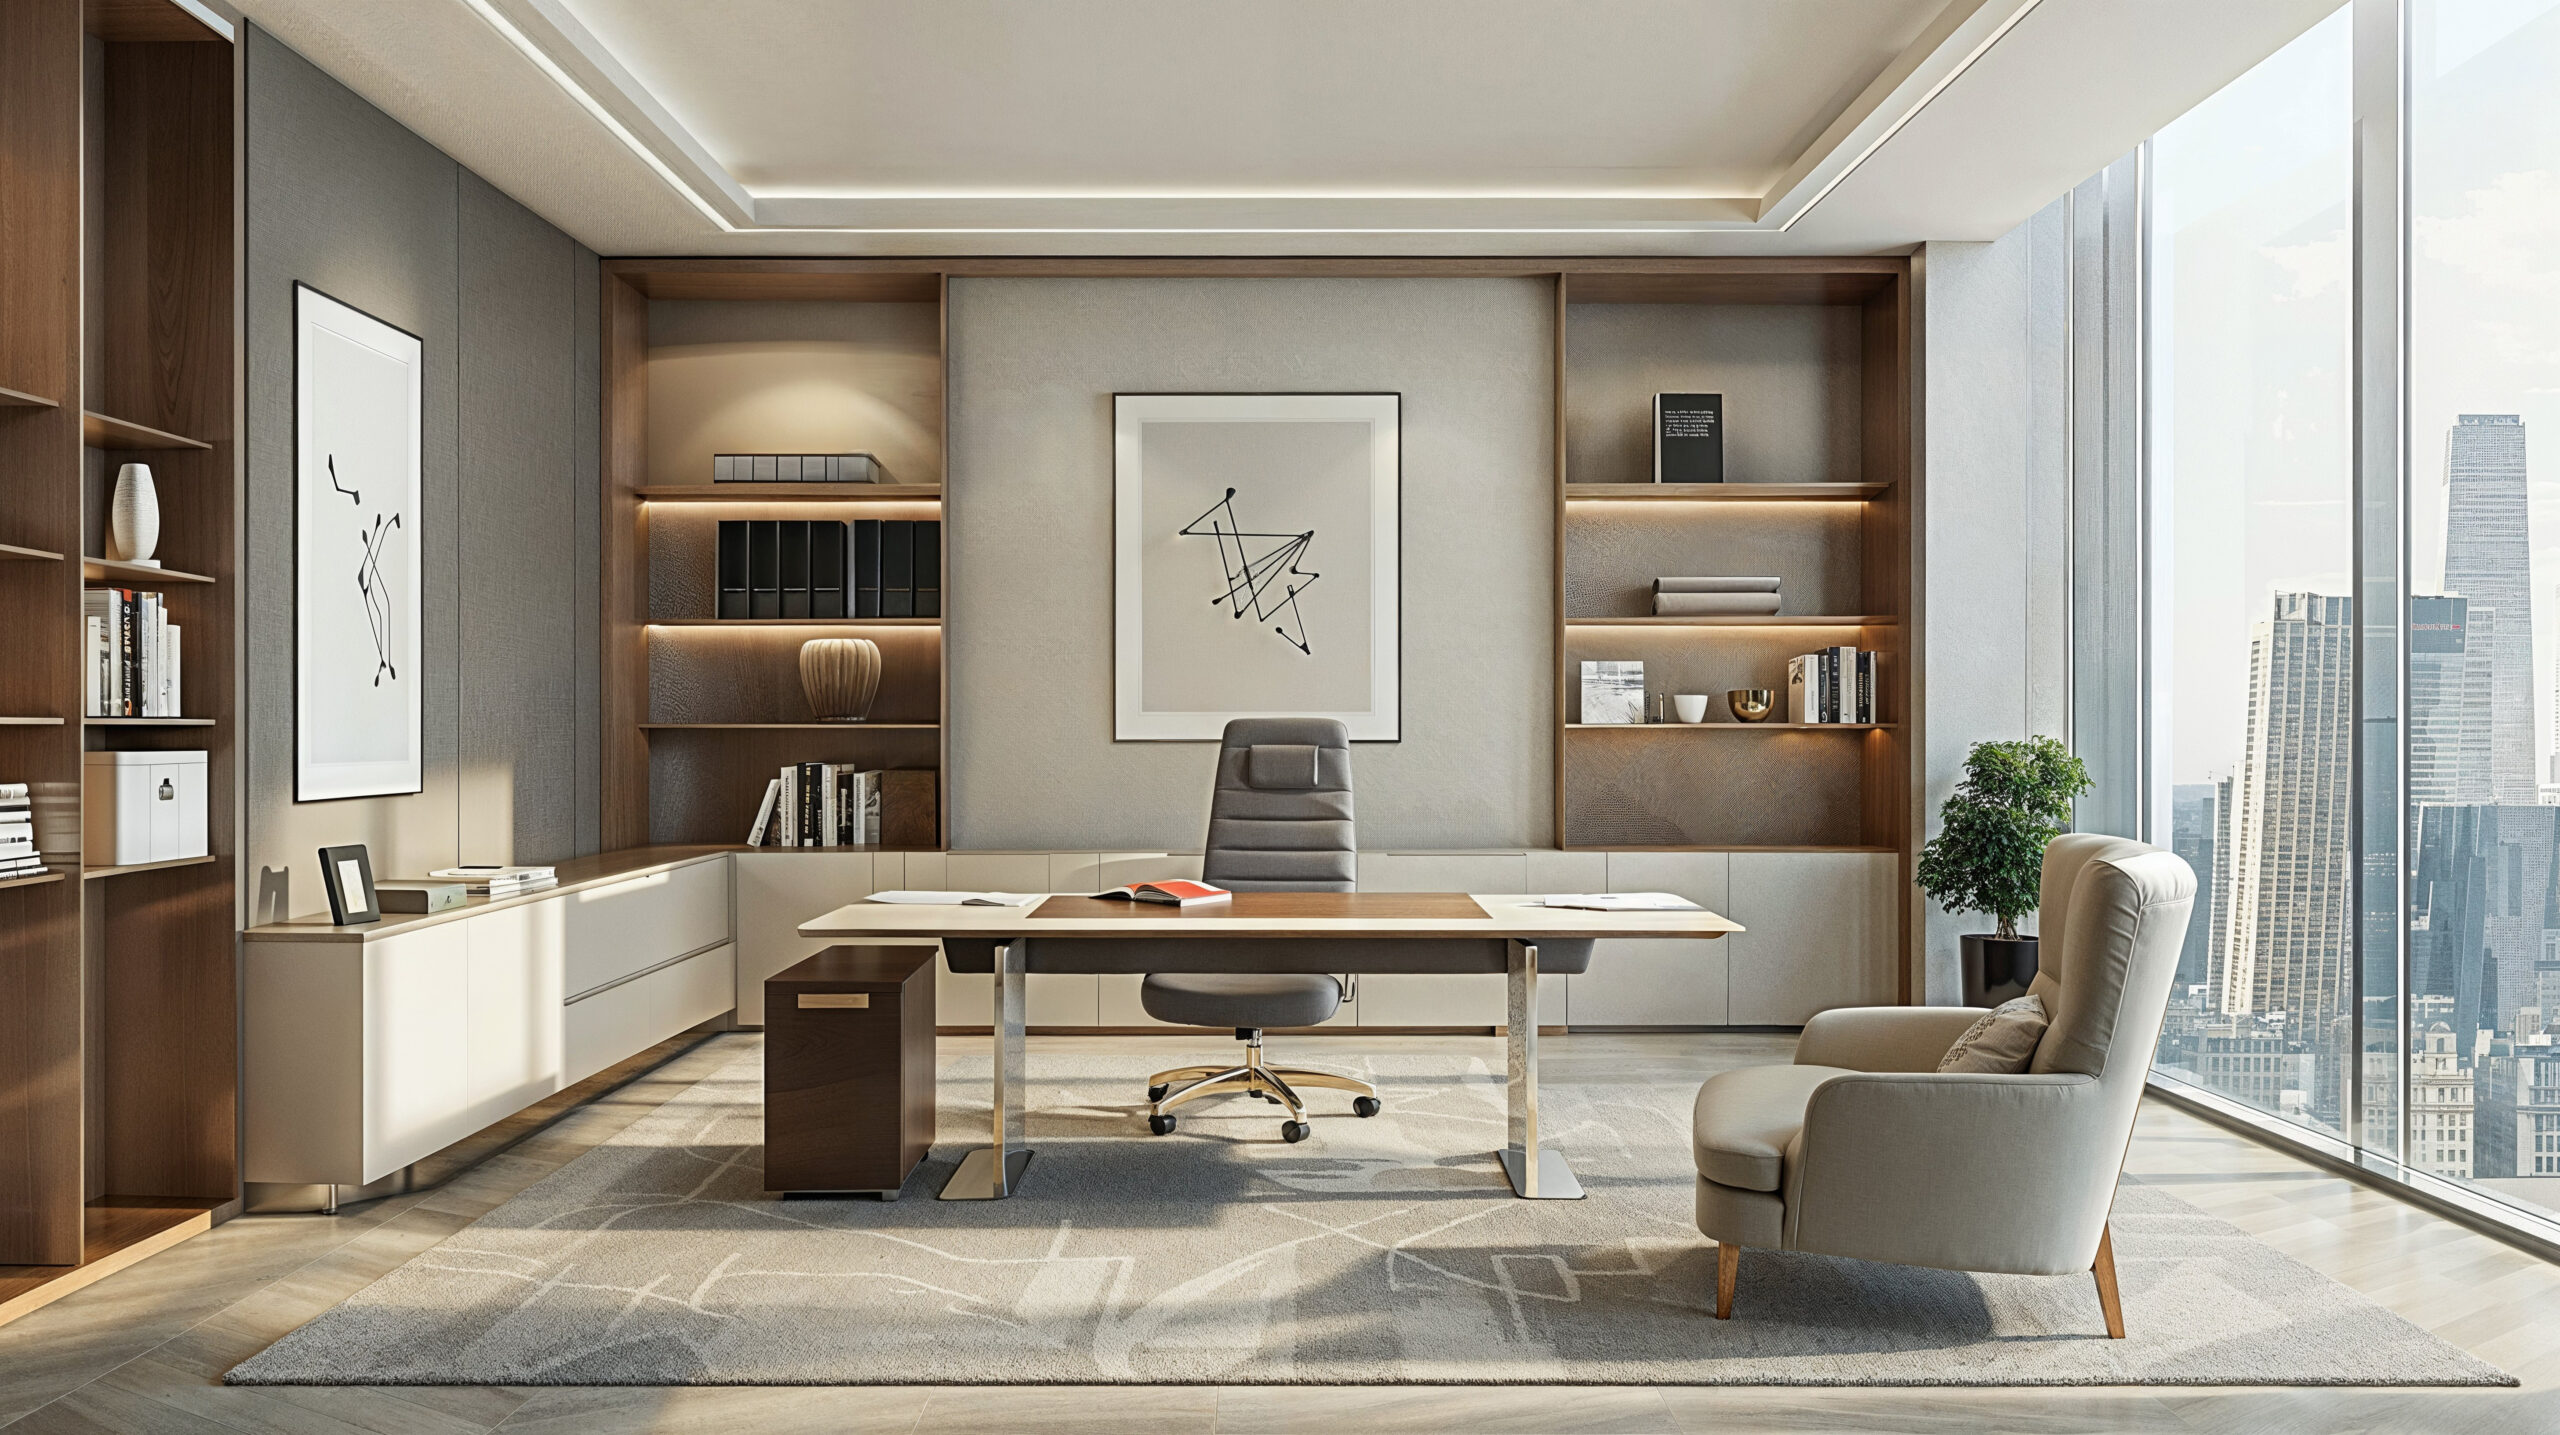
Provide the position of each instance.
(2483, 506)
(2251, 487)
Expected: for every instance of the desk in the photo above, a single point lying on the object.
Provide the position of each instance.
(1304, 931)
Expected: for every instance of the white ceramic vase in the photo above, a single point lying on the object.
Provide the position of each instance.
(135, 515)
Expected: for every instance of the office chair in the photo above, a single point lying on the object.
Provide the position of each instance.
(1279, 821)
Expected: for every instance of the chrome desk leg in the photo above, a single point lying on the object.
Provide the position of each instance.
(1536, 1174)
(991, 1173)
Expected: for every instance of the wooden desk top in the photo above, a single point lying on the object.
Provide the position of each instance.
(1342, 916)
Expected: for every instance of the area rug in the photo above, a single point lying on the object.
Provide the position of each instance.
(1386, 1250)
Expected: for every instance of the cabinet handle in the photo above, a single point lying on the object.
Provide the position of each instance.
(168, 790)
(809, 1000)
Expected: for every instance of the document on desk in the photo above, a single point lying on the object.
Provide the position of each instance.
(956, 899)
(1620, 902)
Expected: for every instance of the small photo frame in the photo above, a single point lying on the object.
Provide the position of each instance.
(347, 873)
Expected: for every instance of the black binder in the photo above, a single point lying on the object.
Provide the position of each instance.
(827, 553)
(866, 568)
(795, 568)
(764, 569)
(732, 569)
(928, 567)
(897, 568)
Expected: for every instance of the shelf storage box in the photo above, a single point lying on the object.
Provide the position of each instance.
(140, 807)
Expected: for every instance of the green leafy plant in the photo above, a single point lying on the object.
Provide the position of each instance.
(1988, 855)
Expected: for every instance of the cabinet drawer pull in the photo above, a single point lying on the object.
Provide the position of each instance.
(834, 999)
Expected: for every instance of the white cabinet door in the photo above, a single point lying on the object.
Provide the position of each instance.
(1820, 934)
(1392, 999)
(777, 891)
(626, 927)
(417, 1016)
(1658, 983)
(623, 1021)
(515, 990)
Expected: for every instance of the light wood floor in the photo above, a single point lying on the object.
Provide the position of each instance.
(142, 1352)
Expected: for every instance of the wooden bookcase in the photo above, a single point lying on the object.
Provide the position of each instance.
(755, 356)
(1813, 358)
(119, 1127)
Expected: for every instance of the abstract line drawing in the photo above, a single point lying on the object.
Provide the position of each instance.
(377, 602)
(1251, 578)
(352, 496)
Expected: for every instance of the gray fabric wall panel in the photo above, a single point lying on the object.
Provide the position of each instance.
(341, 197)
(517, 544)
(1034, 363)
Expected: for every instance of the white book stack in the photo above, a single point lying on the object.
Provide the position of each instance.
(18, 855)
(132, 657)
(499, 881)
(1714, 597)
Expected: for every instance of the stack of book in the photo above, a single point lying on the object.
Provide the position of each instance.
(827, 568)
(1714, 597)
(493, 881)
(18, 855)
(829, 804)
(1833, 685)
(132, 667)
(794, 468)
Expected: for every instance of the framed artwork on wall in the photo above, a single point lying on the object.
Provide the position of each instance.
(359, 403)
(1256, 562)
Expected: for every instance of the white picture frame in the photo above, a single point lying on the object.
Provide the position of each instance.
(359, 405)
(1257, 562)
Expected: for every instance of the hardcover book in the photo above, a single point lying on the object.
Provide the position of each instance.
(1688, 438)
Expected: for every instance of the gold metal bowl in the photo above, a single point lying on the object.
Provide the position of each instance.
(1751, 704)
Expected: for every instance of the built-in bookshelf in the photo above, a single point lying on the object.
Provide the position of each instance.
(1812, 357)
(119, 1125)
(705, 357)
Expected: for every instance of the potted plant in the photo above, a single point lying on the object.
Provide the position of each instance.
(1988, 855)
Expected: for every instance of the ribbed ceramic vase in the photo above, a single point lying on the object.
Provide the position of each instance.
(134, 516)
(841, 677)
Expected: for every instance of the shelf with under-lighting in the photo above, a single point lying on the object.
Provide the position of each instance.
(21, 399)
(12, 553)
(148, 721)
(1744, 620)
(30, 722)
(795, 623)
(99, 430)
(791, 493)
(1726, 492)
(91, 874)
(119, 574)
(33, 879)
(1729, 726)
(789, 726)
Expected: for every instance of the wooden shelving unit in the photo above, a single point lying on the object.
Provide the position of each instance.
(119, 1125)
(699, 712)
(1813, 357)
(92, 874)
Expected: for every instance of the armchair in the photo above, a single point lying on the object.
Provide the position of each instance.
(1862, 1148)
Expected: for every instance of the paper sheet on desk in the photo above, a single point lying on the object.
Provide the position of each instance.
(1620, 902)
(956, 899)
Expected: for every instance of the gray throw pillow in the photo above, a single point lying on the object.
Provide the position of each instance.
(2003, 1041)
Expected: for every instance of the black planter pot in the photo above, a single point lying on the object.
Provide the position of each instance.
(1997, 969)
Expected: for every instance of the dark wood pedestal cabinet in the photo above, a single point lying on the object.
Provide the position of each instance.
(848, 1070)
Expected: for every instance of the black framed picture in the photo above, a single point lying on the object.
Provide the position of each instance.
(347, 872)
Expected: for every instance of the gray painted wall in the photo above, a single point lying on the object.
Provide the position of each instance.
(341, 197)
(1034, 363)
(1995, 600)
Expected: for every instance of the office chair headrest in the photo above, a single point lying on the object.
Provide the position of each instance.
(1282, 767)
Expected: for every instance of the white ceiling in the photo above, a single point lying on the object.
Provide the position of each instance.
(1312, 126)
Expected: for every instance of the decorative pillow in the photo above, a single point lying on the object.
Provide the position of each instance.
(2003, 1041)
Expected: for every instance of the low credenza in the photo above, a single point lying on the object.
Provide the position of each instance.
(369, 1047)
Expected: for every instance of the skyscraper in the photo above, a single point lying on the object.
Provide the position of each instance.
(2488, 558)
(2193, 819)
(2449, 700)
(2287, 914)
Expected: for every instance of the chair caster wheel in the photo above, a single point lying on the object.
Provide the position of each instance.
(1161, 1125)
(1157, 1091)
(1365, 1106)
(1294, 1132)
(1266, 1096)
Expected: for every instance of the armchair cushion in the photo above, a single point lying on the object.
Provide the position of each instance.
(2003, 1041)
(1744, 1120)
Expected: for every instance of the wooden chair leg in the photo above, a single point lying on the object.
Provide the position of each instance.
(2109, 1300)
(1728, 1271)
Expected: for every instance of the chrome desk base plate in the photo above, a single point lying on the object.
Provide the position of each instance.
(974, 1180)
(1555, 1179)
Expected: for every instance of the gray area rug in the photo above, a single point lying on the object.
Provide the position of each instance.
(1386, 1250)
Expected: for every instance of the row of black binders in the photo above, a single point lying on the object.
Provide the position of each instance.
(827, 568)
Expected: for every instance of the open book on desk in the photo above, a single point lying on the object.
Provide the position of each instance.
(1174, 893)
(1620, 902)
(956, 899)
